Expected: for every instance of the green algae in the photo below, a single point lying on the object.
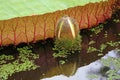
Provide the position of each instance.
(91, 42)
(95, 31)
(118, 34)
(113, 44)
(65, 47)
(22, 63)
(62, 61)
(5, 59)
(91, 49)
(102, 47)
(106, 34)
(98, 29)
(116, 20)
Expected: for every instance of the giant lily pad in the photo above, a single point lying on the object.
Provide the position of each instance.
(19, 8)
(30, 21)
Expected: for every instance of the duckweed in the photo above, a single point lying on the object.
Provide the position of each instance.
(116, 20)
(97, 29)
(62, 62)
(91, 42)
(91, 49)
(113, 44)
(64, 48)
(23, 62)
(4, 58)
(106, 35)
(100, 54)
(102, 47)
(118, 34)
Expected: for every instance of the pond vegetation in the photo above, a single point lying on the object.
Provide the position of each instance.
(24, 62)
(42, 59)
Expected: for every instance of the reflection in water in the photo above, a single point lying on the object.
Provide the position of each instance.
(106, 68)
(65, 69)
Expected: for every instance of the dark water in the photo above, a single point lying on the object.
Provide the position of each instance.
(50, 66)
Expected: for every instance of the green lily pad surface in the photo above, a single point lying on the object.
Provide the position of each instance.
(19, 8)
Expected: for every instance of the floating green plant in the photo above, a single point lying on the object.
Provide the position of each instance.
(22, 63)
(116, 20)
(106, 34)
(91, 42)
(63, 48)
(97, 29)
(102, 47)
(91, 49)
(113, 44)
(118, 34)
(4, 58)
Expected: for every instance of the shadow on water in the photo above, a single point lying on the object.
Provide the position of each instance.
(49, 66)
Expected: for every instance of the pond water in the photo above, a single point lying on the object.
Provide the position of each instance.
(37, 63)
(96, 70)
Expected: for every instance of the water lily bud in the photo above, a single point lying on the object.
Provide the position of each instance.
(67, 28)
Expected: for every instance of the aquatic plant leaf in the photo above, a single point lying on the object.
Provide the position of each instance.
(21, 22)
(19, 8)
